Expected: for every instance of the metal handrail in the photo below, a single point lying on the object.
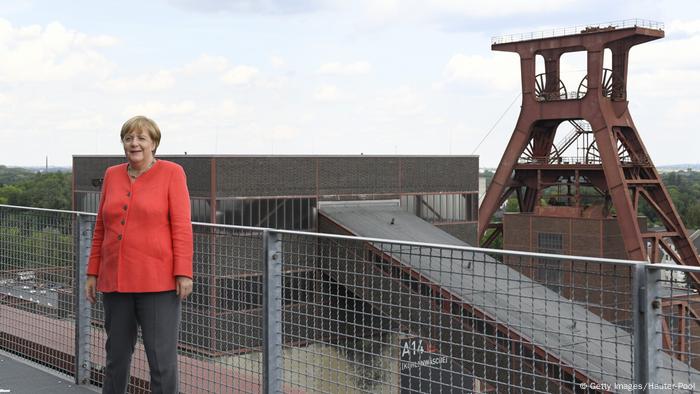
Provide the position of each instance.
(380, 240)
(576, 160)
(525, 311)
(565, 31)
(47, 210)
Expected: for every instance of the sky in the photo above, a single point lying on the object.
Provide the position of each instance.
(313, 76)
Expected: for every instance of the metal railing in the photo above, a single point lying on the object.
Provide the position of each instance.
(288, 311)
(560, 160)
(589, 28)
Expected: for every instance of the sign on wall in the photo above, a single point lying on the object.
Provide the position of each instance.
(424, 370)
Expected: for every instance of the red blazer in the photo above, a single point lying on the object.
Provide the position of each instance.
(143, 232)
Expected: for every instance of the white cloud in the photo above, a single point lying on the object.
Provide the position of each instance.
(159, 80)
(398, 103)
(278, 62)
(7, 110)
(683, 110)
(666, 54)
(240, 75)
(683, 26)
(222, 111)
(386, 12)
(156, 109)
(378, 9)
(480, 9)
(665, 68)
(54, 77)
(202, 67)
(500, 71)
(52, 53)
(228, 108)
(205, 64)
(337, 68)
(666, 83)
(83, 122)
(381, 10)
(327, 93)
(285, 132)
(274, 7)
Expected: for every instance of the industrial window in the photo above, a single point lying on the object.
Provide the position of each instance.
(549, 271)
(87, 201)
(200, 210)
(549, 243)
(280, 213)
(443, 208)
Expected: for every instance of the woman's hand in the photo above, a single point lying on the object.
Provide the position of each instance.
(91, 289)
(183, 286)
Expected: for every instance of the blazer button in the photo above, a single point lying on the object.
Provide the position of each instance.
(128, 194)
(123, 221)
(125, 207)
(119, 237)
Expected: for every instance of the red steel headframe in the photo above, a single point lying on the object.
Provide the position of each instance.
(623, 171)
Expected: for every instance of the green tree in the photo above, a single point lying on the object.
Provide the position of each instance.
(11, 175)
(512, 205)
(9, 194)
(684, 189)
(51, 191)
(32, 241)
(497, 242)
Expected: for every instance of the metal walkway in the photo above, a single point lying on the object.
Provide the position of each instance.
(20, 377)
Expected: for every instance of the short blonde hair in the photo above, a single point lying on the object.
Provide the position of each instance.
(144, 125)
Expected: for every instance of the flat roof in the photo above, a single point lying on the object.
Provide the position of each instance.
(267, 156)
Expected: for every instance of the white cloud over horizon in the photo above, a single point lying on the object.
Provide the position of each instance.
(323, 77)
(327, 93)
(498, 71)
(240, 75)
(337, 68)
(37, 53)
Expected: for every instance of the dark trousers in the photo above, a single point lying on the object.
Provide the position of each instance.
(158, 315)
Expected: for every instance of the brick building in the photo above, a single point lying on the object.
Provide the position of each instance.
(285, 191)
(223, 316)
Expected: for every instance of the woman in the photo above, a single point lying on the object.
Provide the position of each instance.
(141, 258)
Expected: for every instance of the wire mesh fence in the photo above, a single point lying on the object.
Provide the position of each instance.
(36, 282)
(285, 311)
(386, 317)
(679, 307)
(221, 324)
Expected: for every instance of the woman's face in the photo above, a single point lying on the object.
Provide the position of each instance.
(138, 147)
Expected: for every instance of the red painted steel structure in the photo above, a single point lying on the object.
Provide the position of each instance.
(614, 165)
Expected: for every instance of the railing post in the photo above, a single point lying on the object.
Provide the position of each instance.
(83, 239)
(646, 307)
(272, 312)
